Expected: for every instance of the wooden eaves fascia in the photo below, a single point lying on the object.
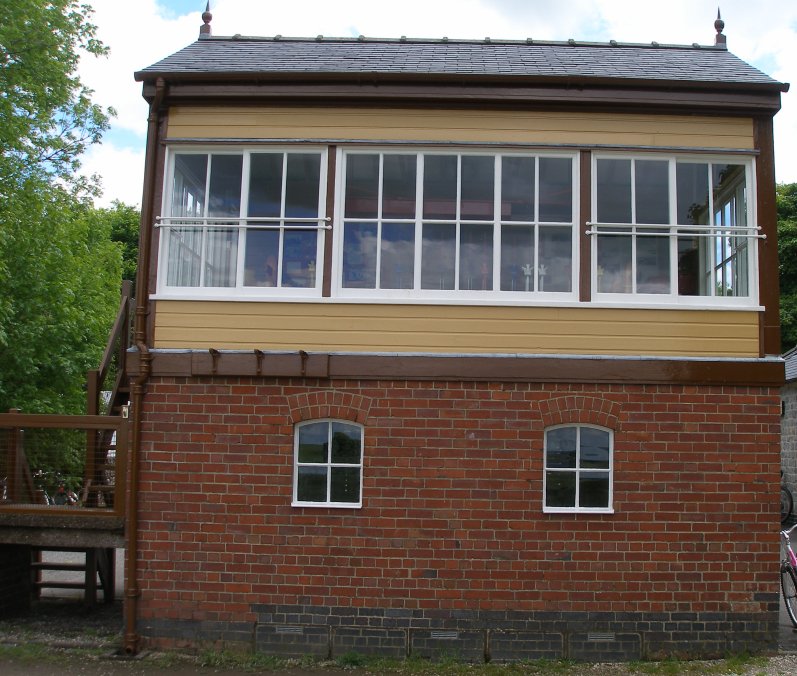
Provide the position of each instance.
(727, 98)
(488, 368)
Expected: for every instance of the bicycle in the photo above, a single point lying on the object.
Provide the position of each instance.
(788, 576)
(786, 501)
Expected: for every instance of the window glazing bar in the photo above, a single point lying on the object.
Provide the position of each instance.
(270, 223)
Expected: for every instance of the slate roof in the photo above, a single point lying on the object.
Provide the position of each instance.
(291, 57)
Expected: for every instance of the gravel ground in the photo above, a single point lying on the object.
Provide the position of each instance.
(75, 641)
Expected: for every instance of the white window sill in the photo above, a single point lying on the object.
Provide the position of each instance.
(578, 510)
(333, 505)
(670, 303)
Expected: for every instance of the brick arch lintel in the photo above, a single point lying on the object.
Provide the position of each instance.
(320, 404)
(580, 409)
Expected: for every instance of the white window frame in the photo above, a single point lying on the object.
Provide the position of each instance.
(577, 470)
(456, 296)
(329, 465)
(240, 291)
(751, 232)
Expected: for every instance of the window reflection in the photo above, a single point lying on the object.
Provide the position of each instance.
(398, 256)
(578, 467)
(440, 186)
(438, 256)
(556, 190)
(398, 186)
(328, 459)
(466, 205)
(476, 188)
(276, 252)
(359, 255)
(710, 258)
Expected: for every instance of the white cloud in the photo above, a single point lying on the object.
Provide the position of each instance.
(121, 171)
(137, 38)
(762, 33)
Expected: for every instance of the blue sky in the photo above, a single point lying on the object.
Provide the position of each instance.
(174, 8)
(153, 29)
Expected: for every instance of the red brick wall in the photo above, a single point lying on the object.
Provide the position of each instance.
(452, 500)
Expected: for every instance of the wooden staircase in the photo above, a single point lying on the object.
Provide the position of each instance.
(31, 527)
(99, 483)
(97, 572)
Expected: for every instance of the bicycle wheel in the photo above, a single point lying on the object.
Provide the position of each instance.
(788, 584)
(786, 504)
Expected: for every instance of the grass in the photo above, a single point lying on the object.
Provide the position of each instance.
(733, 664)
(238, 661)
(28, 652)
(358, 663)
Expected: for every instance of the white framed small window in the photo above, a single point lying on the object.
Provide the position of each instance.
(456, 225)
(328, 464)
(578, 474)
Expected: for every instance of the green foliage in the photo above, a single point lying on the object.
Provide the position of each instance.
(59, 284)
(786, 195)
(352, 659)
(123, 221)
(47, 118)
(237, 661)
(59, 268)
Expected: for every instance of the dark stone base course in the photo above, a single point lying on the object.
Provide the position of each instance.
(380, 642)
(437, 644)
(511, 646)
(199, 633)
(604, 646)
(292, 640)
(295, 631)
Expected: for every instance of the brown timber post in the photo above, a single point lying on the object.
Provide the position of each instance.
(92, 408)
(14, 462)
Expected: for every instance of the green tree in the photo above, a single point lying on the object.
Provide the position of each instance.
(123, 220)
(59, 269)
(786, 195)
(47, 115)
(60, 286)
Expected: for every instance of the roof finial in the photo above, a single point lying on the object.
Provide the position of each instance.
(720, 40)
(204, 29)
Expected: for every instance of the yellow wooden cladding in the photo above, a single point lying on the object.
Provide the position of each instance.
(466, 126)
(340, 327)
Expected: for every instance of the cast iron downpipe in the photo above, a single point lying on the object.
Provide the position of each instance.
(139, 387)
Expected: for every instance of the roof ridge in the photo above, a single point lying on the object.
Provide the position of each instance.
(238, 37)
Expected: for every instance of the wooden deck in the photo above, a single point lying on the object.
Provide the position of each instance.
(47, 527)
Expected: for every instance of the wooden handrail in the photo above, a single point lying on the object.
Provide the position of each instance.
(120, 332)
(69, 422)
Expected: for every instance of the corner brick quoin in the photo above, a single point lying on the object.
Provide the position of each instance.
(584, 410)
(329, 404)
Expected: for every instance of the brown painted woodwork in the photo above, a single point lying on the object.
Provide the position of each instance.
(752, 372)
(768, 283)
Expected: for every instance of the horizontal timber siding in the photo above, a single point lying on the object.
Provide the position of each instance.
(339, 327)
(484, 126)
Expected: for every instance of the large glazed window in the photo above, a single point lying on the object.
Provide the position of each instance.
(328, 460)
(672, 227)
(452, 225)
(578, 469)
(248, 221)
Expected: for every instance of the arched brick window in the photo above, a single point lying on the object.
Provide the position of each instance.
(328, 464)
(578, 469)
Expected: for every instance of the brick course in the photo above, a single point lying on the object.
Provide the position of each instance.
(789, 439)
(452, 521)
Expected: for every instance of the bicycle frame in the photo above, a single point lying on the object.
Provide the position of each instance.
(788, 576)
